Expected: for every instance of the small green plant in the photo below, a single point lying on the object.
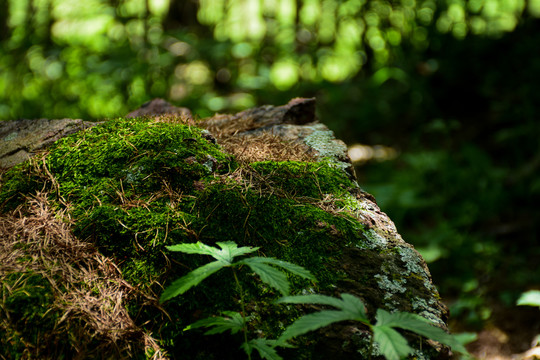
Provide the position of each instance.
(268, 269)
(391, 343)
(530, 298)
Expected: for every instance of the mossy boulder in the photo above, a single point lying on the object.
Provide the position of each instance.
(270, 177)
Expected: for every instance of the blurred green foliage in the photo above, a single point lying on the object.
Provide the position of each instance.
(452, 85)
(99, 58)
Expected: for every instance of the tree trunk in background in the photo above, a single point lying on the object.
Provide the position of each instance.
(183, 14)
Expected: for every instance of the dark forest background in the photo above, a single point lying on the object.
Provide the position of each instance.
(440, 99)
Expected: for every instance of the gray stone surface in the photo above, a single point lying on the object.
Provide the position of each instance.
(158, 107)
(20, 139)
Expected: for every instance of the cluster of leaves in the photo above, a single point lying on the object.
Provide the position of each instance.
(234, 321)
(391, 343)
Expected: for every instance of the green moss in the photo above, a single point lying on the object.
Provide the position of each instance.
(15, 183)
(30, 299)
(138, 152)
(133, 186)
(283, 227)
(29, 315)
(304, 179)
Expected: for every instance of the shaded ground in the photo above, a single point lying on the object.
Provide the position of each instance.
(508, 335)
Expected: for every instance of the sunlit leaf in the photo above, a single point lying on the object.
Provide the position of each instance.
(229, 250)
(193, 248)
(531, 298)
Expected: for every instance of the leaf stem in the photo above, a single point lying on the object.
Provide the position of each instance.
(248, 351)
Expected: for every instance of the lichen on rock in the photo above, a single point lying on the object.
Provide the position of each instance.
(272, 177)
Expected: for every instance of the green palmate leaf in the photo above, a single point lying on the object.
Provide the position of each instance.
(391, 344)
(312, 322)
(290, 267)
(193, 248)
(232, 322)
(193, 278)
(270, 275)
(227, 253)
(264, 347)
(419, 325)
(230, 250)
(350, 304)
(531, 298)
(354, 306)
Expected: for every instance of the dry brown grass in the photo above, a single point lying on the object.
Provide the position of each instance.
(249, 136)
(264, 146)
(223, 125)
(174, 119)
(88, 288)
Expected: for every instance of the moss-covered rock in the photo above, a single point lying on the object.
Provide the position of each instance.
(281, 182)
